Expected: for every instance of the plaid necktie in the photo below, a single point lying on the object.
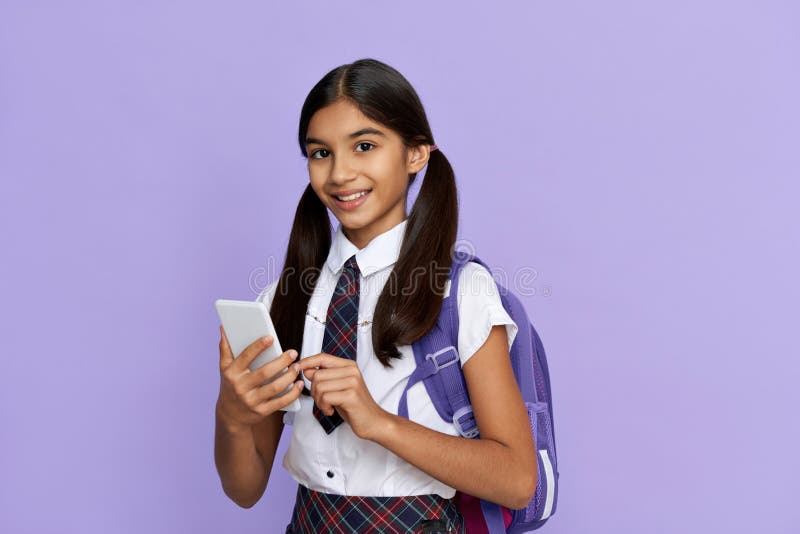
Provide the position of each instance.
(340, 329)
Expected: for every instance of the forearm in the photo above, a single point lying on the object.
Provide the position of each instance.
(240, 467)
(481, 467)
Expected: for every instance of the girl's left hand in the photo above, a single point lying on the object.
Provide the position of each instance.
(338, 383)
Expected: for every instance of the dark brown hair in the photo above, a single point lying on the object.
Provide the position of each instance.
(410, 302)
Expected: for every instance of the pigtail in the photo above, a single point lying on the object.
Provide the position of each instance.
(412, 298)
(309, 242)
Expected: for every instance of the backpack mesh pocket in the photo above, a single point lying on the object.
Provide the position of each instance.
(540, 506)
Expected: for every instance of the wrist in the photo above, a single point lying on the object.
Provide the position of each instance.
(384, 428)
(231, 426)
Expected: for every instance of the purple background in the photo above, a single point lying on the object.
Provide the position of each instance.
(642, 157)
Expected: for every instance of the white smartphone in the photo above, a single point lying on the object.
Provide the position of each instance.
(245, 321)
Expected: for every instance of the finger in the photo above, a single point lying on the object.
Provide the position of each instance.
(251, 351)
(323, 359)
(330, 399)
(264, 392)
(270, 370)
(257, 377)
(277, 403)
(320, 389)
(225, 355)
(309, 373)
(339, 384)
(330, 373)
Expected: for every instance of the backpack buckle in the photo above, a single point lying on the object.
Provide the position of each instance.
(435, 357)
(460, 413)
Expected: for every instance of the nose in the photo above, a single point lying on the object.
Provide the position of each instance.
(342, 170)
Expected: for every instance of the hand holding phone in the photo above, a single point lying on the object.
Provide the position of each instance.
(255, 374)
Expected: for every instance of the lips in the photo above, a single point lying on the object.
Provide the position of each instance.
(352, 204)
(348, 192)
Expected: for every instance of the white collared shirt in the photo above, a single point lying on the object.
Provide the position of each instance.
(341, 462)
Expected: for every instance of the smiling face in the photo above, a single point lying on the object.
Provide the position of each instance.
(350, 154)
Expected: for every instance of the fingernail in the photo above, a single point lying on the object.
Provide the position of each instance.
(296, 367)
(293, 354)
(266, 339)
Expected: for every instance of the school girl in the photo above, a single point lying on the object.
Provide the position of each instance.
(352, 301)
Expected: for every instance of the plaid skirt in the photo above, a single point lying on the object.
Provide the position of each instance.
(317, 513)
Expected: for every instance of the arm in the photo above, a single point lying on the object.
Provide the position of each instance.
(500, 466)
(249, 421)
(244, 456)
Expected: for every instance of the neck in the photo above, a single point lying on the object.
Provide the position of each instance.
(361, 236)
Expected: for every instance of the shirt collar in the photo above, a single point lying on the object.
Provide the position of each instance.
(382, 251)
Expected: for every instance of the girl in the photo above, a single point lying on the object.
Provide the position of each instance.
(354, 304)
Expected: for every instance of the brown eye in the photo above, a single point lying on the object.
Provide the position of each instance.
(365, 143)
(317, 151)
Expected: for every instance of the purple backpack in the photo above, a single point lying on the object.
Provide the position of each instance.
(435, 355)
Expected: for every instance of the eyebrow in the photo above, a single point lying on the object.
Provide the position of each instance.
(359, 133)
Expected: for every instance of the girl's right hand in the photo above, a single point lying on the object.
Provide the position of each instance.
(243, 401)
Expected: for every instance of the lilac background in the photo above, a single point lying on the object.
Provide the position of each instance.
(641, 157)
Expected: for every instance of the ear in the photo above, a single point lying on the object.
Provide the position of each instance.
(417, 158)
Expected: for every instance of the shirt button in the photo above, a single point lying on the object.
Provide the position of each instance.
(330, 474)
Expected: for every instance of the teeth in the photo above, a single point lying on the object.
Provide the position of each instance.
(353, 196)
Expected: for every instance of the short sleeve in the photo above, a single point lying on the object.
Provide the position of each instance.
(479, 308)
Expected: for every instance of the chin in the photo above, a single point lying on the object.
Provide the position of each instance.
(355, 221)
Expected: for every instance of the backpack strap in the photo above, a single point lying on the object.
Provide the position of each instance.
(437, 359)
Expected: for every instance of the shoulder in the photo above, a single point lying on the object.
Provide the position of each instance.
(475, 276)
(476, 285)
(479, 308)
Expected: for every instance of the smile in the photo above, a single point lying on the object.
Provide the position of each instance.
(353, 196)
(353, 201)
